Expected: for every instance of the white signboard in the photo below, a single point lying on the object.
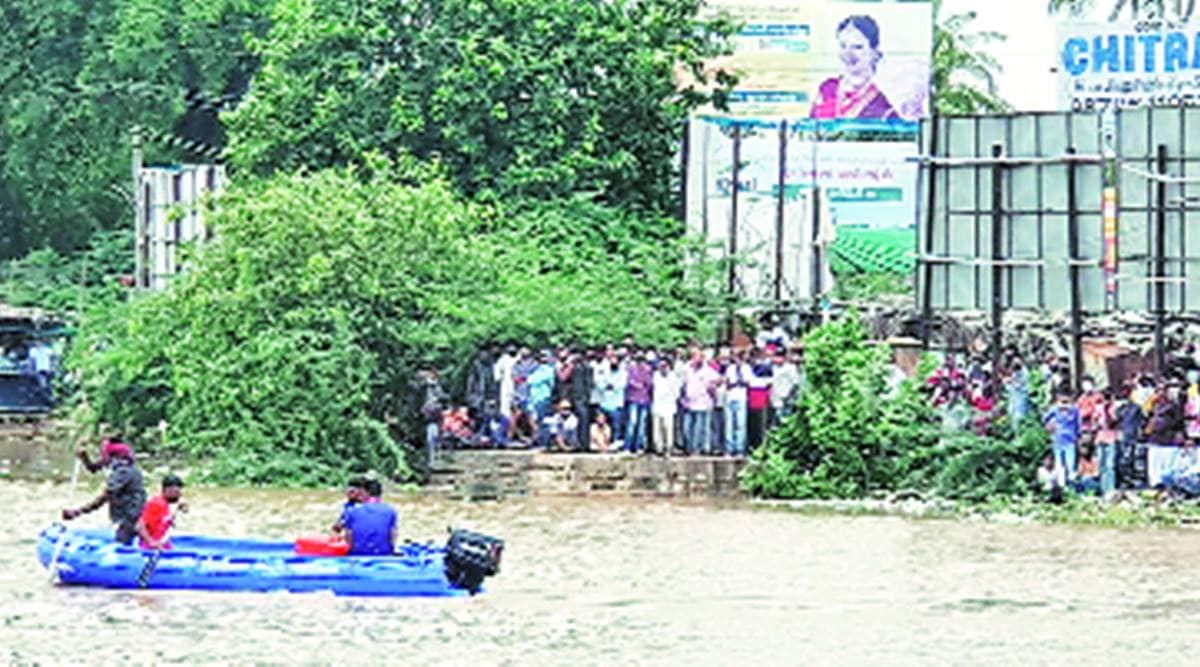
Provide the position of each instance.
(1123, 65)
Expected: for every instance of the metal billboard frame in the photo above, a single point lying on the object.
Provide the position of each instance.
(1012, 207)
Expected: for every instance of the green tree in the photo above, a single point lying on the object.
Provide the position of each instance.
(538, 98)
(830, 447)
(963, 73)
(77, 76)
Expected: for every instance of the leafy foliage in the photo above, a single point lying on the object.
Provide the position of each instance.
(122, 353)
(850, 437)
(67, 283)
(540, 98)
(830, 438)
(963, 466)
(963, 73)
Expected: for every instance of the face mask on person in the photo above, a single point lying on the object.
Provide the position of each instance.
(1088, 386)
(1193, 377)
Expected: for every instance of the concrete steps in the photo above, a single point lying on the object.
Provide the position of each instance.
(489, 474)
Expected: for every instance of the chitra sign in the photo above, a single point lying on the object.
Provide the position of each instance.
(1123, 65)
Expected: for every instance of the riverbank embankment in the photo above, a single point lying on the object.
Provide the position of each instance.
(1145, 508)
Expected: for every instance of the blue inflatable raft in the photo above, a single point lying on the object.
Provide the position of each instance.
(92, 558)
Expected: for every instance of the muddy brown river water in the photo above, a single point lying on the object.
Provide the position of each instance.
(601, 582)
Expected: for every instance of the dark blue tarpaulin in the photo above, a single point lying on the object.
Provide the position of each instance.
(20, 393)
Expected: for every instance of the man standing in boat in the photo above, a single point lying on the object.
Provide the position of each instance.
(123, 491)
(371, 525)
(157, 517)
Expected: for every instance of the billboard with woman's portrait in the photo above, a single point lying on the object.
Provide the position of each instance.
(819, 135)
(830, 59)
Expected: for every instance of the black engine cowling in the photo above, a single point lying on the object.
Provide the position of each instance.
(471, 557)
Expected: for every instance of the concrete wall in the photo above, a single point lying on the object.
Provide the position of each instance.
(501, 474)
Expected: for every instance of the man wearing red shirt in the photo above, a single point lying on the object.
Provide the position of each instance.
(157, 516)
(1091, 407)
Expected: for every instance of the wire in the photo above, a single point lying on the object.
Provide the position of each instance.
(1004, 160)
(1162, 178)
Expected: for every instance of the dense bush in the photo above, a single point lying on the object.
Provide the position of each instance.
(286, 353)
(831, 439)
(66, 283)
(849, 437)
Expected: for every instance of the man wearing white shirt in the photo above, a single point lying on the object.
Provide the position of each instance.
(667, 388)
(680, 366)
(503, 373)
(784, 388)
(772, 335)
(596, 362)
(612, 380)
(41, 361)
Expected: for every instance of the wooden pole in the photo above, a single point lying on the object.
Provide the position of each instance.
(997, 255)
(927, 266)
(1160, 267)
(1073, 272)
(779, 209)
(139, 218)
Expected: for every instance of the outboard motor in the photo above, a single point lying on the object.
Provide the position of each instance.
(470, 557)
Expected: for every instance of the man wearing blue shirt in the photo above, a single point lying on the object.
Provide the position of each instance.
(612, 380)
(371, 525)
(494, 431)
(41, 364)
(1062, 420)
(356, 493)
(541, 387)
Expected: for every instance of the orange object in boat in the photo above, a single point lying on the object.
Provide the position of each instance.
(321, 545)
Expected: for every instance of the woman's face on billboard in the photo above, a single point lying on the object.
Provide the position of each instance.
(857, 55)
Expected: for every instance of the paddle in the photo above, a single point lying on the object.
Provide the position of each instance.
(62, 539)
(148, 569)
(143, 579)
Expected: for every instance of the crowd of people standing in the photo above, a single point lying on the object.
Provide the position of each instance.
(1139, 432)
(619, 398)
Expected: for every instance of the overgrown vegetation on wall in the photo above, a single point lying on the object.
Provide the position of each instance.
(851, 436)
(286, 353)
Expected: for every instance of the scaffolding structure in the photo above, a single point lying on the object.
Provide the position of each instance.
(1055, 212)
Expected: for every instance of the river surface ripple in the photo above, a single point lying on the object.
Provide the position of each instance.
(608, 582)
